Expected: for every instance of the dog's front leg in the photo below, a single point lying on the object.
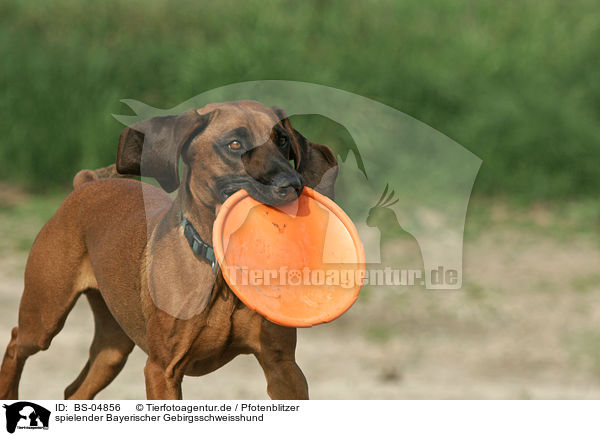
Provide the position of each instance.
(162, 383)
(168, 341)
(285, 380)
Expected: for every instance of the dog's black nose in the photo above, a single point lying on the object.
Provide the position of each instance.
(287, 186)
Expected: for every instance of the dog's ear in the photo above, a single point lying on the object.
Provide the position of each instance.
(151, 148)
(317, 165)
(315, 162)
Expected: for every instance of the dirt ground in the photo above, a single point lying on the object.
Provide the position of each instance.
(525, 325)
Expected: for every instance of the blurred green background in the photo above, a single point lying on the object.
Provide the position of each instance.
(516, 82)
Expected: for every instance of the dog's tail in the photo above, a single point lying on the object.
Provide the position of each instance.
(85, 176)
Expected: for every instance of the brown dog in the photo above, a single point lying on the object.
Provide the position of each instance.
(122, 243)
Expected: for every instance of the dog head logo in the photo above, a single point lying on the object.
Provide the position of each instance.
(26, 415)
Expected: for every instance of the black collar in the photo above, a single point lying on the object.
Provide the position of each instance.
(198, 246)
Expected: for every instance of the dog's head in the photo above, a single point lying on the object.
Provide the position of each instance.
(226, 147)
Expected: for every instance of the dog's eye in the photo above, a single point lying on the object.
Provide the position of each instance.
(283, 141)
(234, 145)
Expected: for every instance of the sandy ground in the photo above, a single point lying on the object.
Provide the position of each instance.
(525, 325)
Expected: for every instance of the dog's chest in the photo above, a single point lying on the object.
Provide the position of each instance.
(229, 331)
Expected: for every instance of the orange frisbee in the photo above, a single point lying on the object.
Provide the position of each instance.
(298, 265)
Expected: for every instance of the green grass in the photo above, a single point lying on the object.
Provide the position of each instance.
(584, 350)
(562, 220)
(587, 283)
(23, 218)
(516, 82)
(378, 333)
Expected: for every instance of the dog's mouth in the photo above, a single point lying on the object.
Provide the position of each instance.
(228, 193)
(225, 188)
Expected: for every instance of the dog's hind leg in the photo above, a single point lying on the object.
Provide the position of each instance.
(52, 287)
(37, 326)
(12, 366)
(108, 353)
(39, 322)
